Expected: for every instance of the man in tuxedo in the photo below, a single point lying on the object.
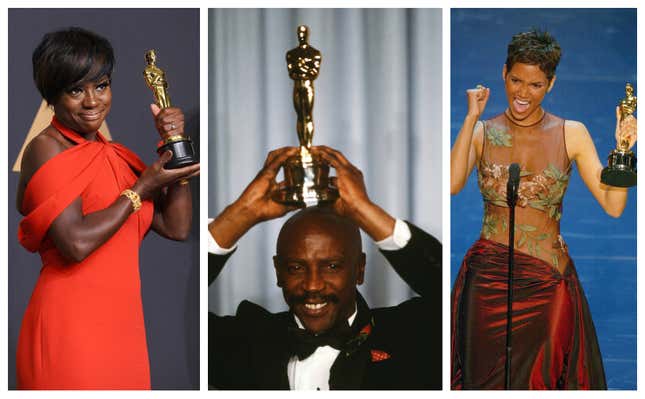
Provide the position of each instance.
(329, 338)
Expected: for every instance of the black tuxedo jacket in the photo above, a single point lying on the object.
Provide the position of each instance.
(251, 349)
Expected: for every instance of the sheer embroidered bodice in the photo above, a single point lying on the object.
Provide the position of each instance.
(545, 168)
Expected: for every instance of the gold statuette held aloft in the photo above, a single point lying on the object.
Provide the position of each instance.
(156, 80)
(627, 107)
(303, 63)
(306, 176)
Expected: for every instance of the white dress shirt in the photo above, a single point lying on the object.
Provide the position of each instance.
(213, 246)
(312, 373)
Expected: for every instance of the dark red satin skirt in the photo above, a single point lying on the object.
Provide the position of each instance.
(554, 341)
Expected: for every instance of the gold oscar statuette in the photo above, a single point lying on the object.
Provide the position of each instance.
(306, 175)
(621, 165)
(183, 153)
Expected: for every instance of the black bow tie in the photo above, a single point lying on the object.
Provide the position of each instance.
(303, 343)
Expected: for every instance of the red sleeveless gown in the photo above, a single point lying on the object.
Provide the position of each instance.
(84, 326)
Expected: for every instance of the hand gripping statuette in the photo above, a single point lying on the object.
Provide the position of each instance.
(183, 153)
(621, 167)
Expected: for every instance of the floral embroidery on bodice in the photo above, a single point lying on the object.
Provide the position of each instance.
(541, 190)
(545, 168)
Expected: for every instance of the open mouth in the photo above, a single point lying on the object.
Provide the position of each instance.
(314, 309)
(520, 106)
(315, 306)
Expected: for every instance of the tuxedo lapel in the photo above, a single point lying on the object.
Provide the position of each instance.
(348, 371)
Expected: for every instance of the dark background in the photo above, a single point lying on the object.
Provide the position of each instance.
(598, 58)
(169, 270)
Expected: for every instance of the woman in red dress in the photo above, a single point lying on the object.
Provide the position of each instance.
(87, 205)
(554, 341)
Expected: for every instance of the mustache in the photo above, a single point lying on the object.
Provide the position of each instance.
(301, 299)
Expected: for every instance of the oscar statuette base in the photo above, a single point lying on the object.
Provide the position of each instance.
(621, 169)
(183, 152)
(306, 183)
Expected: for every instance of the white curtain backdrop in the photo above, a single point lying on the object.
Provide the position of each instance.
(378, 100)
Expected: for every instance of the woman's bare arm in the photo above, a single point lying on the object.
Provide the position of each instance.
(467, 147)
(581, 149)
(173, 203)
(76, 235)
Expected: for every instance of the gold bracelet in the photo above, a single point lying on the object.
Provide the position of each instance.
(134, 198)
(183, 182)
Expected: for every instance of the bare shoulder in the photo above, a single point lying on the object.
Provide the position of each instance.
(46, 145)
(574, 127)
(479, 129)
(577, 138)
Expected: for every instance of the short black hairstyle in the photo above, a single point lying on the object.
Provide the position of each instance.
(534, 48)
(68, 57)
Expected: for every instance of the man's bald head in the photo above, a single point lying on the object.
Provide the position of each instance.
(322, 221)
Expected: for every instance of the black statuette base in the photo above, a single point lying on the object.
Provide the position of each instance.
(183, 153)
(621, 169)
